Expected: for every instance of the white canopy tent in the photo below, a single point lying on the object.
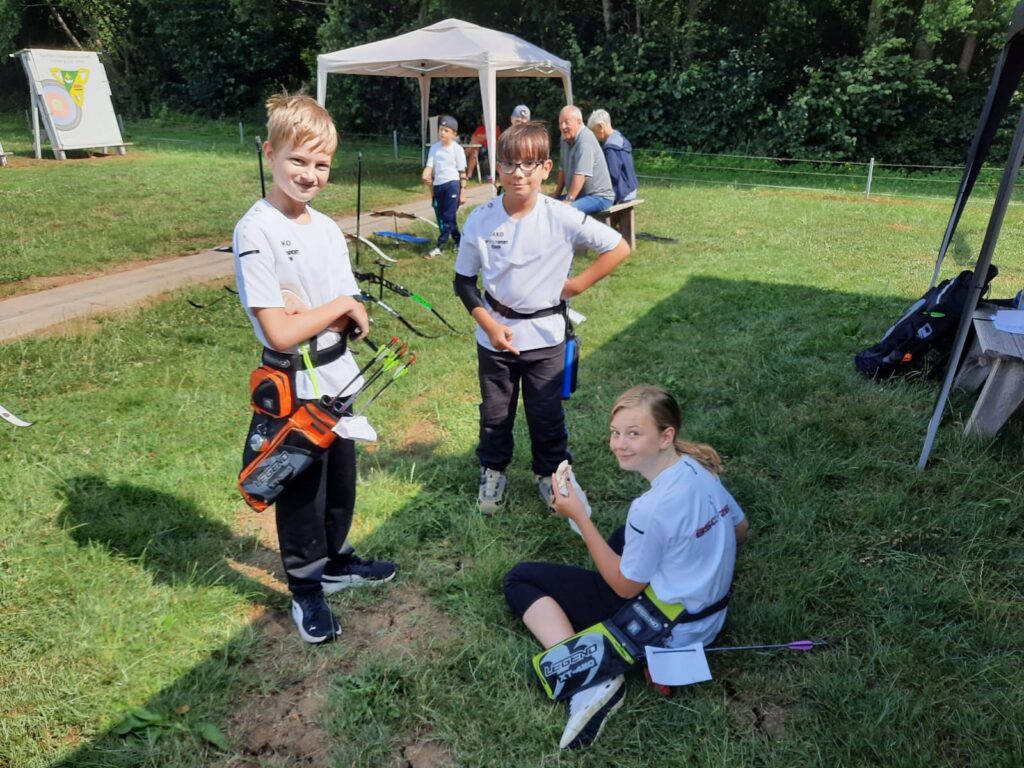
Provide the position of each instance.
(450, 48)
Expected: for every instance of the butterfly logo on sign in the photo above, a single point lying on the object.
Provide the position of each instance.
(65, 96)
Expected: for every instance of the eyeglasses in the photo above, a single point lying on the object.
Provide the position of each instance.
(527, 166)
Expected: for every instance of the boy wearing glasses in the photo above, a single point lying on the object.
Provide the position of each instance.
(521, 244)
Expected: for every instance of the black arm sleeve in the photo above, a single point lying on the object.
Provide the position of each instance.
(467, 291)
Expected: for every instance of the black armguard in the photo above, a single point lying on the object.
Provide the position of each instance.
(467, 291)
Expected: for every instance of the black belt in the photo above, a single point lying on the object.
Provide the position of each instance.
(511, 314)
(284, 361)
(686, 618)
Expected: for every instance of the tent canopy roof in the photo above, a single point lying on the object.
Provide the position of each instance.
(449, 48)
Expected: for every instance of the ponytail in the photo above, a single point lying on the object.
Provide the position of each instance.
(703, 453)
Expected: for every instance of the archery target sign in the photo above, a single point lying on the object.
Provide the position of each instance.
(73, 96)
(64, 112)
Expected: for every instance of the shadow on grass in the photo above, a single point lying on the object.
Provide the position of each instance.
(821, 460)
(160, 533)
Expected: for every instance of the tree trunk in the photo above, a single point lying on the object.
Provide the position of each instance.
(971, 43)
(63, 25)
(606, 11)
(874, 23)
(690, 30)
(924, 49)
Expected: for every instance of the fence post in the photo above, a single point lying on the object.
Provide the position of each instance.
(241, 133)
(394, 141)
(871, 172)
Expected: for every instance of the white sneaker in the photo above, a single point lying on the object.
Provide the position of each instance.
(588, 711)
(434, 254)
(492, 490)
(543, 488)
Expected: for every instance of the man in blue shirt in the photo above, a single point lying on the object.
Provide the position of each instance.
(618, 153)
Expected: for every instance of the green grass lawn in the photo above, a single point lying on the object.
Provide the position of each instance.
(180, 189)
(131, 574)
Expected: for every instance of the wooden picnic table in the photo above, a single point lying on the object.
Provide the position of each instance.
(995, 363)
(622, 217)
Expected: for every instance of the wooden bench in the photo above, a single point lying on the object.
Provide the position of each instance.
(622, 217)
(995, 363)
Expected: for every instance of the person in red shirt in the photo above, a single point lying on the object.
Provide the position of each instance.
(478, 154)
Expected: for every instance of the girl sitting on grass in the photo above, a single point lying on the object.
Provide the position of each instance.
(680, 538)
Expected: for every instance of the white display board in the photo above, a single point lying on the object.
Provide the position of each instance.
(70, 90)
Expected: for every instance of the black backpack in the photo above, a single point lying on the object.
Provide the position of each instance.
(926, 331)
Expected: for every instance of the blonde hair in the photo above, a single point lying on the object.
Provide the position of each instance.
(526, 141)
(665, 412)
(299, 119)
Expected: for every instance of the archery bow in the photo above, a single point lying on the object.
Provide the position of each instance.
(395, 313)
(401, 290)
(371, 245)
(10, 418)
(228, 291)
(396, 215)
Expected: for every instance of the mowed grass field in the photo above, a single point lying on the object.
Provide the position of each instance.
(177, 191)
(143, 620)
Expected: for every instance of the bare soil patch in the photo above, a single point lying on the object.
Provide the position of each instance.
(764, 716)
(279, 716)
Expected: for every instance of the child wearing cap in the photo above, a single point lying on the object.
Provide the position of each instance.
(445, 174)
(520, 114)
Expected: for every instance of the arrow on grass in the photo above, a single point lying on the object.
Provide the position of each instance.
(796, 645)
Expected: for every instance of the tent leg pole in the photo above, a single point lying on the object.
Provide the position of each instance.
(988, 247)
(37, 142)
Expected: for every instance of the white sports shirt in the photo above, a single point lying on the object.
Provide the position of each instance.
(274, 253)
(524, 262)
(447, 162)
(681, 538)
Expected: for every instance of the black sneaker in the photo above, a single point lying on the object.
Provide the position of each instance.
(314, 619)
(356, 573)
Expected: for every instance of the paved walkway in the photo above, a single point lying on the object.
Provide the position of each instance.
(34, 312)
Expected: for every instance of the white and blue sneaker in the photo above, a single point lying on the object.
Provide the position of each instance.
(314, 619)
(357, 572)
(491, 495)
(588, 712)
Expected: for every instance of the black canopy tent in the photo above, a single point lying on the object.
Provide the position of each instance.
(1005, 81)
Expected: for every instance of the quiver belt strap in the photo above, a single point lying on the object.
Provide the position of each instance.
(511, 314)
(284, 361)
(610, 648)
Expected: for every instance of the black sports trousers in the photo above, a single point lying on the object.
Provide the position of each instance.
(314, 515)
(538, 373)
(582, 593)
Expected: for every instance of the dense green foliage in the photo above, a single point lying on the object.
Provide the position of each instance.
(900, 79)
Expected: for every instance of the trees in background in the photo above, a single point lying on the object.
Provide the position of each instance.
(900, 79)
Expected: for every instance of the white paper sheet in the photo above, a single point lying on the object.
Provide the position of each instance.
(678, 666)
(1009, 320)
(355, 428)
(576, 317)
